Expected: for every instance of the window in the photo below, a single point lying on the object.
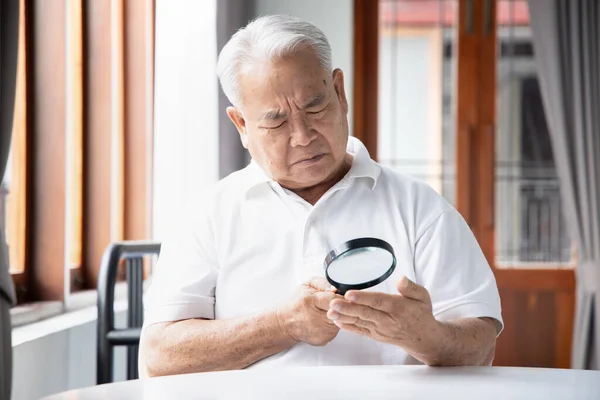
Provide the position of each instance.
(77, 176)
(417, 79)
(417, 115)
(530, 228)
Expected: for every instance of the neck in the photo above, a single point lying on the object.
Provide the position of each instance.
(314, 193)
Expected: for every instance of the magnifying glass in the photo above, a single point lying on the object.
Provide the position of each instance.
(359, 264)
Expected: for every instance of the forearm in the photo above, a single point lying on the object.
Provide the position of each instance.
(200, 345)
(468, 341)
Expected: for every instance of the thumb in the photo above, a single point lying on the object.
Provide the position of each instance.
(323, 299)
(411, 290)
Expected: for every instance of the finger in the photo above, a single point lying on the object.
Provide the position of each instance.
(324, 299)
(357, 310)
(411, 290)
(353, 328)
(338, 318)
(320, 283)
(379, 301)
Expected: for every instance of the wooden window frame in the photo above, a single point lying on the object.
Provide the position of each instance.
(46, 227)
(366, 73)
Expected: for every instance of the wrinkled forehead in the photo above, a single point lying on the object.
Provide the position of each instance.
(272, 84)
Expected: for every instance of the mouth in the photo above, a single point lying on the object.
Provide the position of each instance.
(311, 160)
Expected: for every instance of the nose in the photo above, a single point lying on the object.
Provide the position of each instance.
(302, 133)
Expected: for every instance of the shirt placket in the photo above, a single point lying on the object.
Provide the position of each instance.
(312, 255)
(313, 240)
(314, 243)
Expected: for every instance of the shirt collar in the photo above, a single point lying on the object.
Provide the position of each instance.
(362, 167)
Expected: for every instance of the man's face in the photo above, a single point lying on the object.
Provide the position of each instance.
(293, 119)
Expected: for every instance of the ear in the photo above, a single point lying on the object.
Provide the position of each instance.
(240, 123)
(338, 85)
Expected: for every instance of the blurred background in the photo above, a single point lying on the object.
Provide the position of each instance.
(119, 118)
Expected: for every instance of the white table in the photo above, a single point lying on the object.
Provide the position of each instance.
(365, 382)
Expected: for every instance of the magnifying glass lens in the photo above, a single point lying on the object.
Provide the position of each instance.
(360, 265)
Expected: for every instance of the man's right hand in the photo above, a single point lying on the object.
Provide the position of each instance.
(304, 317)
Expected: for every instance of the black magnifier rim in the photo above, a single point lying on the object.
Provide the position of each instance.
(353, 245)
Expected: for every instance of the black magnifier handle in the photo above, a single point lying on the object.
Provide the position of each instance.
(341, 292)
(342, 289)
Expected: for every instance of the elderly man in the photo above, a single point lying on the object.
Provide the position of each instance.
(241, 283)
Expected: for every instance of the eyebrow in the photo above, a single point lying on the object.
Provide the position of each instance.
(272, 115)
(315, 101)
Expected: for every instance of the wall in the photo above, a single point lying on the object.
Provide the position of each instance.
(59, 354)
(335, 18)
(186, 156)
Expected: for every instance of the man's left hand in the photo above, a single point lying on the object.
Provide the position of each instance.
(405, 319)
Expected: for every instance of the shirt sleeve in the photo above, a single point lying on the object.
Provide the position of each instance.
(450, 264)
(184, 279)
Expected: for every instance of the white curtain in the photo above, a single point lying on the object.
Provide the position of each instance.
(566, 35)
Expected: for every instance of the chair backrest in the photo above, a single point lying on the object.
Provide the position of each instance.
(133, 253)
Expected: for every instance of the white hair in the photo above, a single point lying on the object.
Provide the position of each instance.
(266, 39)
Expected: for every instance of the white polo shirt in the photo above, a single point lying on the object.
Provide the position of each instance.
(247, 243)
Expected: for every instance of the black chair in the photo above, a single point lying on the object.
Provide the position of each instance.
(108, 337)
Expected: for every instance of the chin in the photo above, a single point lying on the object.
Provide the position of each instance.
(312, 175)
(314, 179)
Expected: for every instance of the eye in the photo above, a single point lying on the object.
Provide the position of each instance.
(317, 112)
(275, 127)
